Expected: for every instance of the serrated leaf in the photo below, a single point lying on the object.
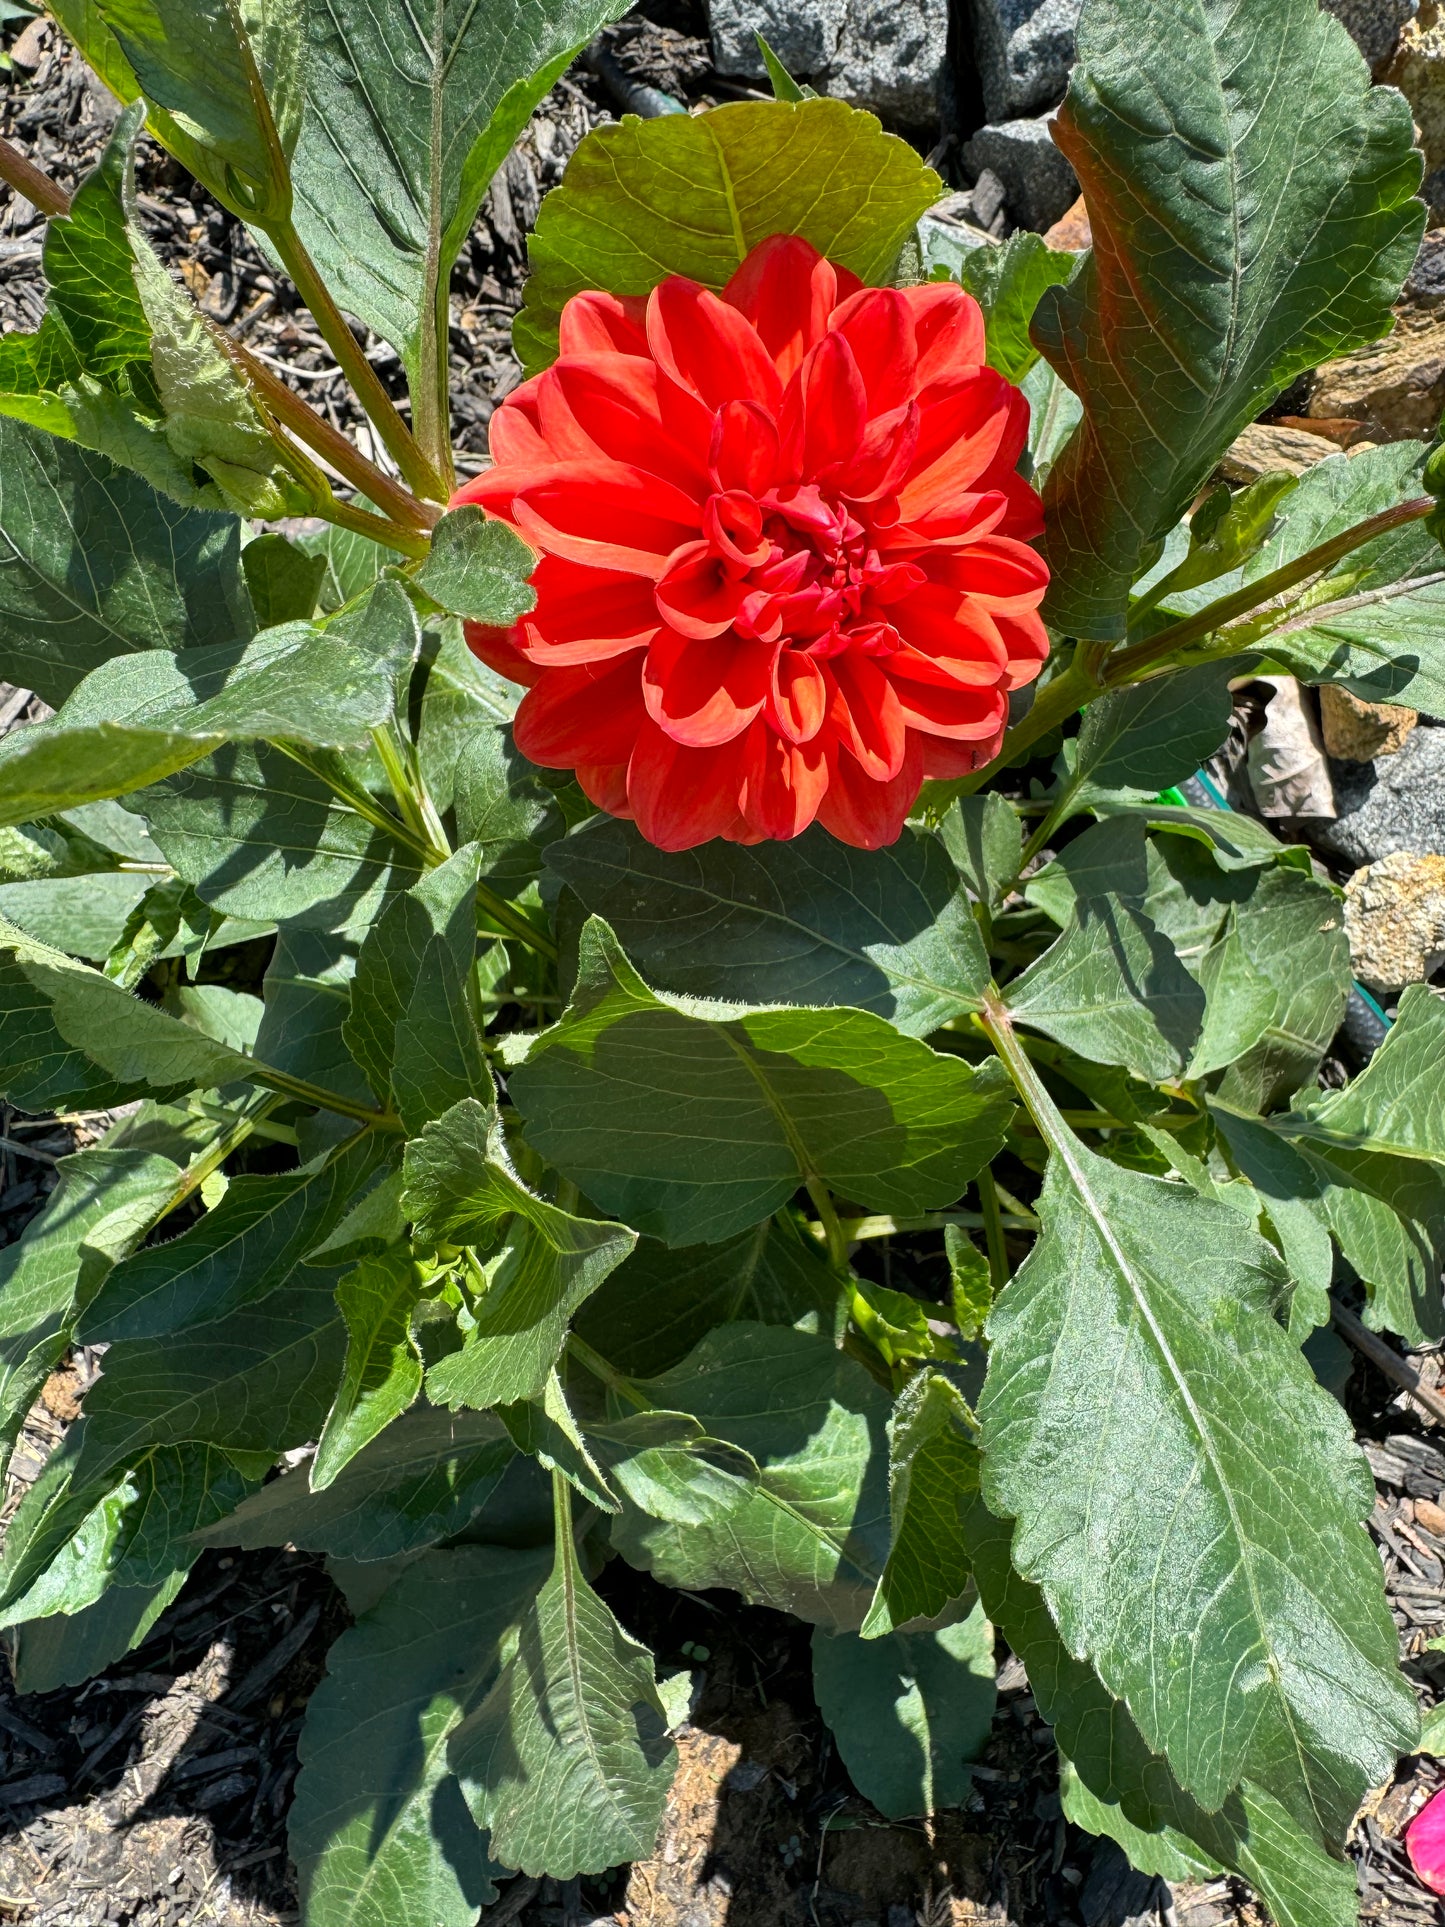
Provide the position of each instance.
(567, 1760)
(461, 1189)
(666, 1465)
(501, 804)
(84, 916)
(94, 564)
(413, 1024)
(102, 1201)
(1250, 1833)
(691, 195)
(409, 116)
(478, 568)
(237, 1254)
(382, 1374)
(810, 1534)
(1164, 1852)
(1201, 298)
(378, 1827)
(1007, 284)
(909, 1712)
(932, 1460)
(424, 1479)
(1187, 1496)
(730, 1110)
(970, 1281)
(1289, 1192)
(649, 1313)
(460, 699)
(547, 1430)
(260, 1380)
(260, 837)
(1112, 989)
(807, 922)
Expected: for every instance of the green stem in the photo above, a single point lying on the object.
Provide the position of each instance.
(431, 410)
(375, 528)
(200, 1168)
(516, 923)
(393, 761)
(609, 1375)
(881, 1226)
(834, 1237)
(993, 1231)
(562, 1519)
(318, 1096)
(420, 476)
(357, 799)
(1126, 664)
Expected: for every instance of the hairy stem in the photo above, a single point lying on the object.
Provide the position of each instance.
(407, 542)
(420, 476)
(615, 1381)
(1126, 664)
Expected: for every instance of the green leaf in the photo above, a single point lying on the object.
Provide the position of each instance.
(731, 1110)
(478, 568)
(461, 1189)
(94, 564)
(1112, 989)
(1289, 1192)
(909, 1712)
(807, 922)
(413, 1025)
(985, 838)
(351, 562)
(1147, 736)
(133, 1042)
(307, 997)
(649, 1313)
(1055, 411)
(1225, 531)
(546, 1429)
(382, 1375)
(970, 1281)
(237, 1254)
(103, 1200)
(1007, 284)
(779, 79)
(1396, 1106)
(1187, 1496)
(810, 1534)
(931, 1461)
(408, 117)
(502, 805)
(260, 1380)
(692, 194)
(68, 1650)
(49, 767)
(378, 1829)
(177, 1491)
(1250, 1833)
(260, 837)
(212, 81)
(1165, 1852)
(84, 916)
(425, 1478)
(1203, 298)
(283, 580)
(567, 1760)
(460, 698)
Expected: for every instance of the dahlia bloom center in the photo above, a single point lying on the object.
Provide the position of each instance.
(784, 569)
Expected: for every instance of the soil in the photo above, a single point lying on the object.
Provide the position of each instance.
(156, 1795)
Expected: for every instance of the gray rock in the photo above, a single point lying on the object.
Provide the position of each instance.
(886, 55)
(1395, 803)
(1427, 277)
(1373, 25)
(805, 39)
(1024, 49)
(1039, 182)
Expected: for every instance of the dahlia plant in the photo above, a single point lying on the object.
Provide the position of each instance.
(659, 1006)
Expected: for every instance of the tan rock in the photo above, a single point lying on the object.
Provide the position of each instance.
(1418, 70)
(1264, 447)
(1357, 731)
(1430, 1516)
(1395, 919)
(1394, 388)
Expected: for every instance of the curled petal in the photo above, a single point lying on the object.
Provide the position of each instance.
(682, 797)
(858, 809)
(1026, 640)
(824, 411)
(944, 760)
(699, 595)
(877, 325)
(707, 347)
(703, 692)
(947, 330)
(497, 648)
(585, 615)
(865, 714)
(787, 290)
(958, 638)
(595, 323)
(964, 426)
(798, 696)
(733, 523)
(605, 785)
(624, 408)
(744, 450)
(948, 709)
(783, 784)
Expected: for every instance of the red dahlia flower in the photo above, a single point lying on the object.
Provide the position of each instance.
(784, 572)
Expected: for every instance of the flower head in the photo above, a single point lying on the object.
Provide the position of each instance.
(784, 572)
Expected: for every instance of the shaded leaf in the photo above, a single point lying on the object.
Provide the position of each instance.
(284, 581)
(729, 1114)
(932, 1461)
(1007, 284)
(382, 1374)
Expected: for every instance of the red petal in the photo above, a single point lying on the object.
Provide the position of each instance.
(963, 428)
(957, 636)
(590, 714)
(865, 714)
(585, 615)
(682, 797)
(513, 434)
(698, 596)
(597, 323)
(605, 784)
(827, 402)
(787, 290)
(626, 409)
(708, 347)
(606, 515)
(967, 715)
(744, 447)
(1007, 577)
(1027, 642)
(878, 327)
(497, 648)
(1425, 1843)
(865, 813)
(783, 784)
(797, 697)
(733, 524)
(704, 692)
(948, 329)
(944, 759)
